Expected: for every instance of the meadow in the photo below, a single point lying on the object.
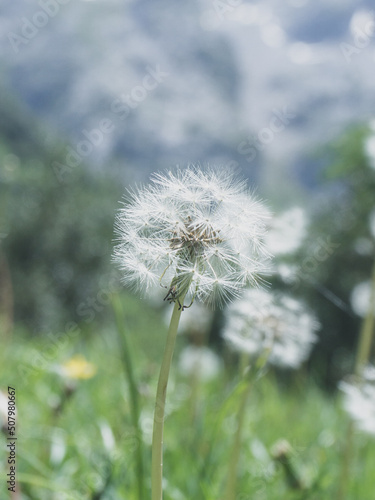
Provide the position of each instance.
(76, 437)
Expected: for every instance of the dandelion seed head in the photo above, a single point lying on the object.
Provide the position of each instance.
(359, 400)
(276, 325)
(199, 234)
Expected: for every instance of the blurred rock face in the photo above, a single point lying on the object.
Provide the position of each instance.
(227, 81)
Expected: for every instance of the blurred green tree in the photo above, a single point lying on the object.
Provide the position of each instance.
(55, 236)
(340, 250)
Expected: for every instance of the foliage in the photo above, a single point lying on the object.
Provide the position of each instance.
(339, 252)
(55, 236)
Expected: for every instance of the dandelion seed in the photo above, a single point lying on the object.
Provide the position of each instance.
(262, 322)
(197, 234)
(359, 400)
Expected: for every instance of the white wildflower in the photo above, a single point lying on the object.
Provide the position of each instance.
(360, 298)
(197, 234)
(287, 232)
(200, 362)
(276, 325)
(359, 400)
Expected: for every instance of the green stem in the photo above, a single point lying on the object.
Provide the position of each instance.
(367, 331)
(231, 487)
(157, 436)
(238, 390)
(133, 390)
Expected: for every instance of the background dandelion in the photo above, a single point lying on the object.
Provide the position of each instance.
(359, 400)
(270, 324)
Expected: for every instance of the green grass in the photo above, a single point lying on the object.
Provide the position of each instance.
(197, 446)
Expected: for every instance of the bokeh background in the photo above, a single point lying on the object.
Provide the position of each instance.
(172, 85)
(96, 95)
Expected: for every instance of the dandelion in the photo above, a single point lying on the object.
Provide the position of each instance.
(199, 235)
(273, 326)
(276, 325)
(359, 400)
(77, 368)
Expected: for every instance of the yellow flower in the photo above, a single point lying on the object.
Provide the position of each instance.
(78, 368)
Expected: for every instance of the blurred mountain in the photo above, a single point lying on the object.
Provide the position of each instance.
(206, 78)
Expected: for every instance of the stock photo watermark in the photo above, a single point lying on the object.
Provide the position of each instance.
(30, 27)
(279, 120)
(322, 251)
(361, 39)
(212, 18)
(121, 107)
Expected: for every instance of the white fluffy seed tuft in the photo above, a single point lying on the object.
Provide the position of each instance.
(199, 234)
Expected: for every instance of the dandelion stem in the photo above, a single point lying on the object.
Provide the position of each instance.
(367, 331)
(157, 436)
